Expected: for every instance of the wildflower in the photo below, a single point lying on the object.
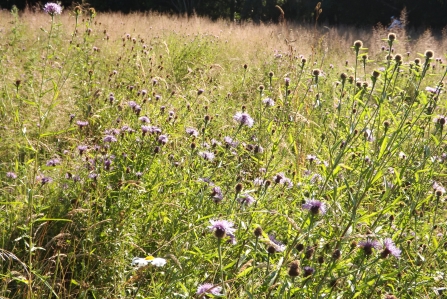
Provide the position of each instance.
(53, 162)
(246, 199)
(390, 248)
(209, 156)
(139, 262)
(192, 132)
(144, 119)
(82, 124)
(280, 178)
(93, 176)
(258, 181)
(11, 175)
(109, 138)
(82, 149)
(432, 89)
(287, 81)
(208, 288)
(402, 155)
(244, 119)
(438, 189)
(52, 8)
(367, 133)
(391, 36)
(132, 104)
(368, 246)
(275, 245)
(163, 139)
(217, 194)
(44, 180)
(269, 102)
(315, 206)
(308, 271)
(258, 232)
(230, 142)
(312, 158)
(221, 228)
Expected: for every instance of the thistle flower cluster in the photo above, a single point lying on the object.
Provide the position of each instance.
(52, 8)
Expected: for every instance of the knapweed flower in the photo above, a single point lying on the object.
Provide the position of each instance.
(390, 248)
(269, 102)
(109, 138)
(230, 142)
(246, 199)
(315, 206)
(221, 228)
(294, 269)
(440, 120)
(144, 119)
(208, 288)
(139, 262)
(82, 123)
(368, 246)
(216, 194)
(53, 162)
(275, 245)
(280, 178)
(163, 139)
(244, 119)
(308, 271)
(82, 149)
(44, 180)
(11, 175)
(367, 133)
(432, 89)
(192, 132)
(209, 156)
(52, 8)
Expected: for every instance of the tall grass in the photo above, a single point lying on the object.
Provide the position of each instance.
(127, 136)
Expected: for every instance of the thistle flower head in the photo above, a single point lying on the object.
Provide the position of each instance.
(368, 246)
(358, 44)
(244, 119)
(52, 8)
(208, 288)
(390, 248)
(429, 54)
(221, 228)
(315, 206)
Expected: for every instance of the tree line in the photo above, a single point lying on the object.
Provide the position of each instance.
(363, 13)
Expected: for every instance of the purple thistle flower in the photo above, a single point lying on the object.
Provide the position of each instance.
(11, 175)
(53, 162)
(192, 132)
(280, 178)
(109, 138)
(269, 102)
(244, 119)
(315, 206)
(82, 149)
(230, 142)
(390, 248)
(52, 9)
(208, 288)
(132, 104)
(209, 156)
(163, 139)
(107, 163)
(82, 123)
(368, 246)
(246, 199)
(432, 89)
(93, 176)
(217, 194)
(221, 228)
(308, 271)
(44, 180)
(144, 119)
(275, 245)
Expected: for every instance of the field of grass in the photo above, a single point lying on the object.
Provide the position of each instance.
(147, 156)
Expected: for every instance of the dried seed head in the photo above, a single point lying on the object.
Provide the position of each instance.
(376, 74)
(358, 44)
(391, 36)
(294, 269)
(316, 72)
(429, 53)
(258, 232)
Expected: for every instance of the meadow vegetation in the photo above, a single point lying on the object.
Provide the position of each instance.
(148, 156)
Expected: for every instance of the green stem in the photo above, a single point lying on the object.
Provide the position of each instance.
(219, 250)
